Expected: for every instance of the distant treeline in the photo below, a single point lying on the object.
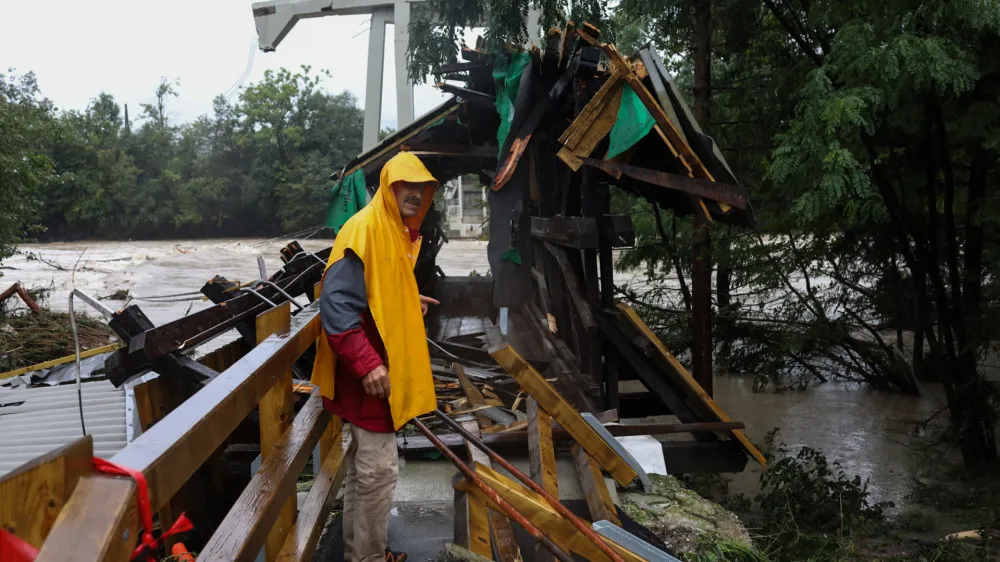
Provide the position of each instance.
(258, 166)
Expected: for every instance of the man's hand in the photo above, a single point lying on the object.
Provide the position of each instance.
(424, 301)
(376, 383)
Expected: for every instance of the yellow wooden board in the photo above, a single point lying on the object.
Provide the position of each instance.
(32, 496)
(276, 413)
(685, 378)
(563, 412)
(538, 511)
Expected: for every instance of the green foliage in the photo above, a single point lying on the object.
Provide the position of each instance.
(436, 33)
(726, 551)
(25, 123)
(259, 166)
(806, 492)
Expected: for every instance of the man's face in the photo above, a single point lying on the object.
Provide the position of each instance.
(409, 197)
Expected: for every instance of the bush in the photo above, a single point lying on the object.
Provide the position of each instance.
(805, 492)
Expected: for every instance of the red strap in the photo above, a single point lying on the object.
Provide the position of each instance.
(145, 511)
(13, 549)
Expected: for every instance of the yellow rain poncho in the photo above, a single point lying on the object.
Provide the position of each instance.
(378, 235)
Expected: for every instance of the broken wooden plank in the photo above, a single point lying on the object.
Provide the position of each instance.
(734, 195)
(594, 489)
(541, 453)
(472, 529)
(472, 394)
(541, 460)
(607, 114)
(575, 232)
(685, 378)
(583, 309)
(503, 529)
(34, 493)
(542, 515)
(563, 412)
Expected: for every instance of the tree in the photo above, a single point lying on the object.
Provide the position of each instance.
(25, 122)
(868, 133)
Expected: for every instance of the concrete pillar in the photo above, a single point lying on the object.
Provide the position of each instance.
(404, 88)
(373, 84)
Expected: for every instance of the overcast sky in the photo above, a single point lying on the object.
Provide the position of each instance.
(79, 48)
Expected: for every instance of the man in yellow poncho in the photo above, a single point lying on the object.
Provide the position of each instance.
(373, 368)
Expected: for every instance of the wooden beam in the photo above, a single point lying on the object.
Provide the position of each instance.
(190, 331)
(607, 114)
(685, 378)
(541, 460)
(245, 529)
(304, 536)
(276, 412)
(78, 535)
(547, 519)
(516, 442)
(541, 453)
(664, 388)
(503, 529)
(34, 494)
(472, 530)
(583, 309)
(575, 232)
(563, 412)
(599, 501)
(473, 395)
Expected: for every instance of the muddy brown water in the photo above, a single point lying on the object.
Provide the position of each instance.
(865, 431)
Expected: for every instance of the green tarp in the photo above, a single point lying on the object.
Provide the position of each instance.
(347, 197)
(634, 122)
(507, 71)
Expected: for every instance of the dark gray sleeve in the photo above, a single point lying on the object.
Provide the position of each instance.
(344, 298)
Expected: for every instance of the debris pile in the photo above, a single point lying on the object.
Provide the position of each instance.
(35, 335)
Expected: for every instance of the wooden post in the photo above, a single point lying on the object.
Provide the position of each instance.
(276, 412)
(472, 529)
(596, 491)
(542, 460)
(503, 529)
(33, 495)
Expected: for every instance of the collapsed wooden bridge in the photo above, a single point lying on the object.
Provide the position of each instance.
(548, 313)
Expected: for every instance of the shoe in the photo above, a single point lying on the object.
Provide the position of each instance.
(391, 556)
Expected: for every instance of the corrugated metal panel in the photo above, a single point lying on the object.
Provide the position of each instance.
(33, 421)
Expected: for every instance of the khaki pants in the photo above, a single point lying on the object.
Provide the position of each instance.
(370, 483)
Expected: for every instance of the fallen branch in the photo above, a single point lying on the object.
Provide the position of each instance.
(39, 257)
(18, 289)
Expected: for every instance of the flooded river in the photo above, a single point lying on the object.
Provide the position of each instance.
(864, 430)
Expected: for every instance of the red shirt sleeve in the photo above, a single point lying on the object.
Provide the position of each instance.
(355, 351)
